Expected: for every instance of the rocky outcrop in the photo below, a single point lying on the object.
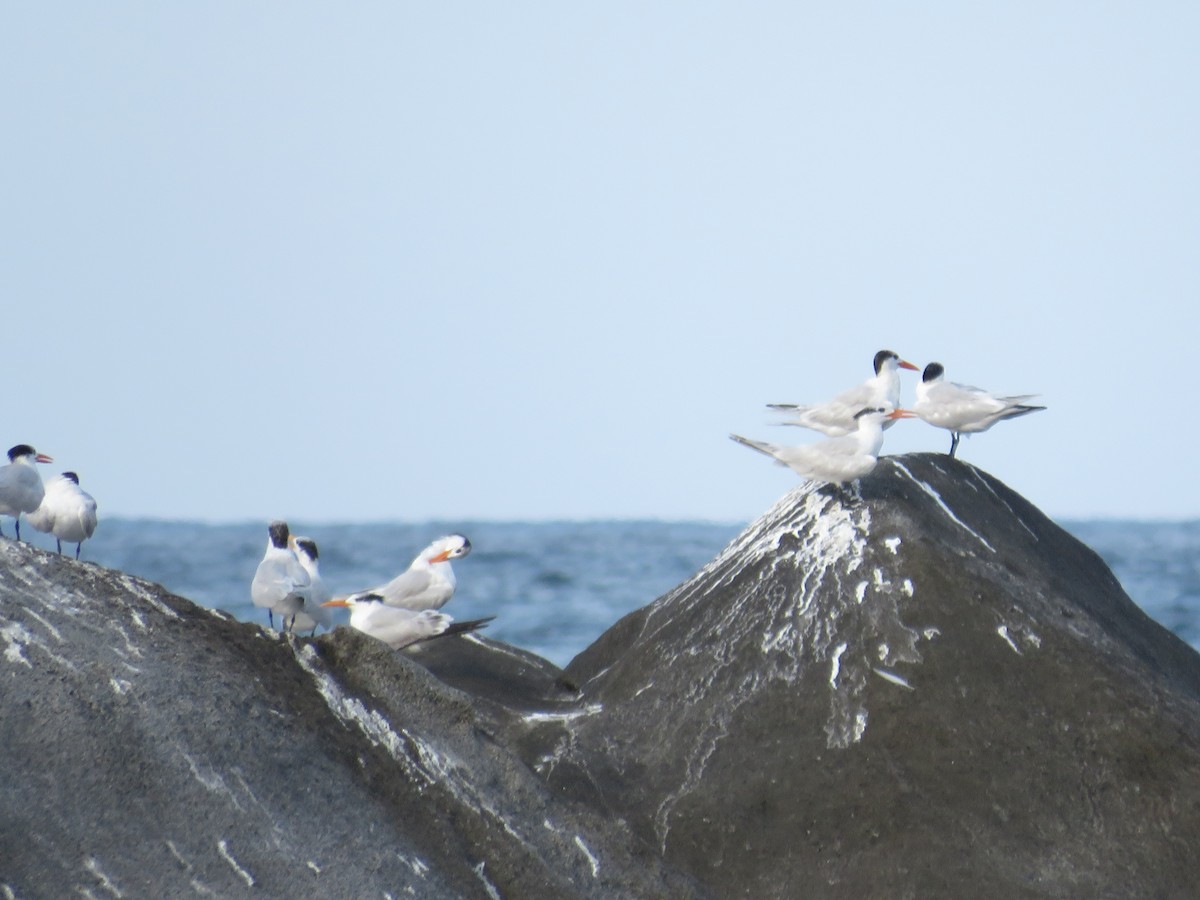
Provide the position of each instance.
(152, 748)
(913, 686)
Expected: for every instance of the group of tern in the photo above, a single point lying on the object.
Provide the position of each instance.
(856, 419)
(404, 611)
(61, 507)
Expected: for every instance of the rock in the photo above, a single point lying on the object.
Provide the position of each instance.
(152, 748)
(915, 686)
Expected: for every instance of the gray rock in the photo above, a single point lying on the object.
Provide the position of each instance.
(917, 686)
(152, 748)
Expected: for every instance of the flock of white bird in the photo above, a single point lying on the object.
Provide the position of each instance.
(406, 610)
(61, 508)
(856, 419)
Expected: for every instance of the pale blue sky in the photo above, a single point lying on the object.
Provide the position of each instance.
(529, 260)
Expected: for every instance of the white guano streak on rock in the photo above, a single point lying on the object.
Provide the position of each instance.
(93, 865)
(937, 498)
(16, 637)
(888, 675)
(418, 866)
(54, 632)
(487, 885)
(835, 665)
(591, 857)
(978, 477)
(418, 757)
(352, 712)
(830, 540)
(223, 849)
(1002, 630)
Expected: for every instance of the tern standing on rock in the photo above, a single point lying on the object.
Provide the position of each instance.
(836, 459)
(67, 511)
(280, 583)
(21, 488)
(398, 627)
(314, 612)
(838, 417)
(962, 409)
(429, 581)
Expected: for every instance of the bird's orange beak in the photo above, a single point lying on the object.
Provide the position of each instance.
(905, 364)
(43, 458)
(441, 557)
(902, 414)
(336, 601)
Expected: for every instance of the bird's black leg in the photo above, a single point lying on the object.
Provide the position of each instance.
(59, 542)
(953, 443)
(17, 526)
(78, 547)
(271, 617)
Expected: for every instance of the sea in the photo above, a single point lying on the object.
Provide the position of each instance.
(554, 587)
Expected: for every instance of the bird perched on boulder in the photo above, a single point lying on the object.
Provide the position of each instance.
(838, 416)
(962, 409)
(280, 583)
(21, 488)
(429, 581)
(313, 612)
(67, 511)
(399, 627)
(835, 459)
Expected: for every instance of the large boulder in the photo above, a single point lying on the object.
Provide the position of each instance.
(914, 686)
(152, 748)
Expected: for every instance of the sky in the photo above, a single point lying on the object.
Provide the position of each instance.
(398, 261)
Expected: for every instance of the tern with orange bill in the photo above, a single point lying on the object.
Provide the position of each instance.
(429, 581)
(838, 416)
(21, 488)
(836, 459)
(398, 627)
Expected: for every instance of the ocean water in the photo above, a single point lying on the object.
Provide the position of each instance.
(554, 587)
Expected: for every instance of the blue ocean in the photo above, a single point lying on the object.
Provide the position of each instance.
(554, 587)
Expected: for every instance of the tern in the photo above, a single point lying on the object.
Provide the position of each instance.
(313, 613)
(280, 583)
(67, 511)
(429, 581)
(837, 417)
(835, 459)
(962, 409)
(21, 488)
(399, 627)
